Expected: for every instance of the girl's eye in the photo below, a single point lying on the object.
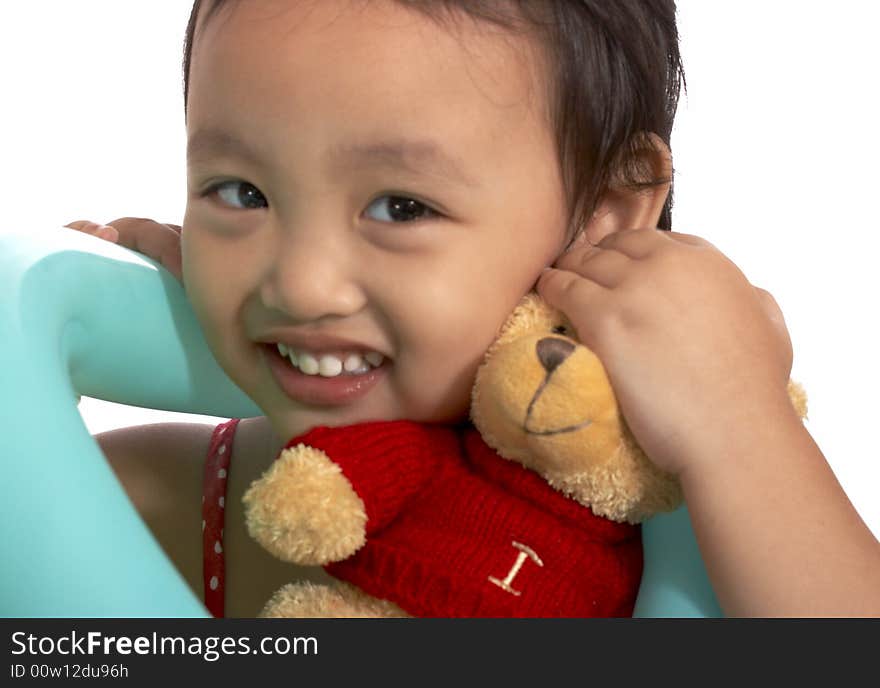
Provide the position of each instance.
(401, 209)
(247, 194)
(396, 209)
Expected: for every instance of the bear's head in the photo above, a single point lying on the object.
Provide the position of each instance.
(543, 399)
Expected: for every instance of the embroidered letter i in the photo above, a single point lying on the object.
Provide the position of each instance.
(524, 553)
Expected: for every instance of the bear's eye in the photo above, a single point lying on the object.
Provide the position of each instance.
(560, 329)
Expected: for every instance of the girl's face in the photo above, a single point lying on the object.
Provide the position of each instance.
(356, 171)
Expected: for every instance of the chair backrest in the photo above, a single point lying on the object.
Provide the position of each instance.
(80, 315)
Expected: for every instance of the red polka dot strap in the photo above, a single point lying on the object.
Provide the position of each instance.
(213, 509)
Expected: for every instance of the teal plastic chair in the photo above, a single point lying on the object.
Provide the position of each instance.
(82, 316)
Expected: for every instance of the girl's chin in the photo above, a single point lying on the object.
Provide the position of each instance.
(290, 419)
(293, 422)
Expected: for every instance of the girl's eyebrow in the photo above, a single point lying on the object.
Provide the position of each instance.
(423, 157)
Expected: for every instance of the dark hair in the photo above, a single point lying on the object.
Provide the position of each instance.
(615, 74)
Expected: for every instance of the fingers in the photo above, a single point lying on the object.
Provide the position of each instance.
(607, 261)
(96, 229)
(642, 242)
(158, 241)
(605, 268)
(154, 239)
(688, 239)
(570, 293)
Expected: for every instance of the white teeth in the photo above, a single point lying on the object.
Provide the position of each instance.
(284, 350)
(308, 364)
(352, 363)
(330, 366)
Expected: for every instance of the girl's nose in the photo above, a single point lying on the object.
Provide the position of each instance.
(307, 280)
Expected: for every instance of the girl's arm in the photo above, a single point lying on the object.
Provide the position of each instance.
(699, 360)
(161, 468)
(777, 533)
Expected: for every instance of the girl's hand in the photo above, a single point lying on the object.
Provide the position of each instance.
(161, 242)
(691, 348)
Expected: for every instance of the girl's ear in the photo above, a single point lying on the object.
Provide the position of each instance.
(624, 208)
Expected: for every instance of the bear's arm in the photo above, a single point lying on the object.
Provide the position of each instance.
(387, 462)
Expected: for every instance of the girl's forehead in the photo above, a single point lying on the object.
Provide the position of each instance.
(351, 74)
(307, 41)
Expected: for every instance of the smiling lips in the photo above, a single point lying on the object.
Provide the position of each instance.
(321, 381)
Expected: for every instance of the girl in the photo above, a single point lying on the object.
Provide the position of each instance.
(350, 170)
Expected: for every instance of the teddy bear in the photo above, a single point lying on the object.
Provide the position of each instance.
(533, 509)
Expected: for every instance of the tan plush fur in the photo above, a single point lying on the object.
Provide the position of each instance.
(304, 510)
(339, 601)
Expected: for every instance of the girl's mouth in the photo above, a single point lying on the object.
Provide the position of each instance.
(318, 390)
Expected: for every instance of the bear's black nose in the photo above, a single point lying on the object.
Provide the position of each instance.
(552, 351)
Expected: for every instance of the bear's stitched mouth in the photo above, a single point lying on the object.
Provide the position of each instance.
(559, 431)
(551, 431)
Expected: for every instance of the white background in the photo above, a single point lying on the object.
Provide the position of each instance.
(775, 150)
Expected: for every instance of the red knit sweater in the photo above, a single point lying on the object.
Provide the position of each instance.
(454, 530)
